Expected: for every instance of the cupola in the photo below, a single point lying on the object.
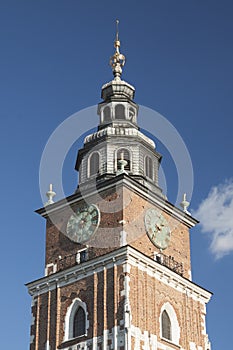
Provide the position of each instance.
(118, 139)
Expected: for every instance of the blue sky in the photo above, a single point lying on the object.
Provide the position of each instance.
(53, 62)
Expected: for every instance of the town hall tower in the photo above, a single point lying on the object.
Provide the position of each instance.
(117, 265)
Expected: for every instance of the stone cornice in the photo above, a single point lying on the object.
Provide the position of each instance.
(130, 183)
(165, 275)
(121, 256)
(77, 272)
(119, 131)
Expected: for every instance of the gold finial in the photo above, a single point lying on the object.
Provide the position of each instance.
(117, 61)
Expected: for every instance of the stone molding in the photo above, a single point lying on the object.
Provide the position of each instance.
(124, 255)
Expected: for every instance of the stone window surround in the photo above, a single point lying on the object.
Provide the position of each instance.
(130, 112)
(175, 329)
(146, 165)
(118, 151)
(69, 318)
(89, 175)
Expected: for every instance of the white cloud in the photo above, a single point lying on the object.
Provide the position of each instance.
(216, 218)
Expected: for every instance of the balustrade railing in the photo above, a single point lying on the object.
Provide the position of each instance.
(169, 262)
(82, 256)
(71, 260)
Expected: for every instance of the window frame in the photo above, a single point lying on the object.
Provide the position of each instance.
(149, 167)
(107, 114)
(70, 316)
(166, 326)
(175, 329)
(91, 174)
(119, 107)
(79, 330)
(129, 160)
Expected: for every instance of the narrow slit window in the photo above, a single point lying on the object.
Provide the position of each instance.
(149, 167)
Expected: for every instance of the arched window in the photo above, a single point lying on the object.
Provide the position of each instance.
(94, 163)
(132, 114)
(76, 320)
(119, 112)
(122, 152)
(79, 323)
(166, 326)
(149, 167)
(107, 114)
(169, 326)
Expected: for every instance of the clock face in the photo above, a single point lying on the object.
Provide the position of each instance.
(83, 223)
(157, 228)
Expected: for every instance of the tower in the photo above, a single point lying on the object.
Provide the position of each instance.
(117, 265)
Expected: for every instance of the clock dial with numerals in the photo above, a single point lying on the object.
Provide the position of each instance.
(83, 223)
(157, 228)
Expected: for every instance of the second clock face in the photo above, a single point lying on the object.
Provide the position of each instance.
(83, 223)
(157, 228)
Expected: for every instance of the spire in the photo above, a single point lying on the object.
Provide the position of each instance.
(117, 61)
